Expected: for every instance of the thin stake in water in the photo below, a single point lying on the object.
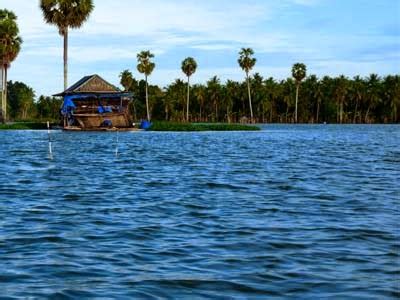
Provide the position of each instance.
(116, 146)
(49, 136)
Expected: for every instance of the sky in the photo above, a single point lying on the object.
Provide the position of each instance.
(332, 37)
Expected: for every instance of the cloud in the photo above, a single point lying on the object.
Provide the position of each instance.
(306, 2)
(280, 32)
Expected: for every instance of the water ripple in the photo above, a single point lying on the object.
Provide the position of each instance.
(304, 212)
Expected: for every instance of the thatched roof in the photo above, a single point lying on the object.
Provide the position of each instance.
(92, 84)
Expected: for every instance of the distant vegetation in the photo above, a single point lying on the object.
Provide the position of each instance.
(373, 99)
(22, 105)
(333, 100)
(174, 126)
(24, 126)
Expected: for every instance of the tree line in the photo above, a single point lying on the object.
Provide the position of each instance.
(24, 106)
(372, 99)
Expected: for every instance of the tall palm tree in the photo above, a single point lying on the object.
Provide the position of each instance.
(299, 72)
(10, 45)
(146, 67)
(66, 14)
(189, 66)
(247, 62)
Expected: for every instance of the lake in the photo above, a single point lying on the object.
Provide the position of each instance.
(301, 212)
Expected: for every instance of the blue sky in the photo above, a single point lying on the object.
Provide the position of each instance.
(331, 37)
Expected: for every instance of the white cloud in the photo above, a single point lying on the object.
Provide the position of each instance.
(118, 29)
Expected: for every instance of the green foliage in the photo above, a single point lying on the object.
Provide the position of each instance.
(21, 100)
(246, 61)
(360, 100)
(189, 66)
(174, 126)
(10, 41)
(126, 79)
(66, 13)
(299, 72)
(24, 126)
(145, 65)
(48, 108)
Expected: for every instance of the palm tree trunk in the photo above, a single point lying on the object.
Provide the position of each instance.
(188, 98)
(147, 100)
(249, 91)
(366, 115)
(65, 58)
(201, 112)
(134, 110)
(341, 111)
(271, 112)
(5, 94)
(355, 112)
(297, 99)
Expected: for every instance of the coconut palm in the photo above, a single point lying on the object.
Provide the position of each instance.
(10, 45)
(299, 72)
(214, 95)
(247, 62)
(357, 88)
(146, 67)
(391, 85)
(373, 98)
(126, 79)
(66, 14)
(189, 66)
(341, 91)
(200, 96)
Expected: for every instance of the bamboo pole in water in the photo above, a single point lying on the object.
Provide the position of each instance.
(49, 137)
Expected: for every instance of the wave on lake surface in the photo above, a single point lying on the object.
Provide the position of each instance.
(301, 212)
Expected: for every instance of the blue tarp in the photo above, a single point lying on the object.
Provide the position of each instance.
(68, 105)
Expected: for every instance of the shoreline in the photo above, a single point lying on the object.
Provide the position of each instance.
(186, 127)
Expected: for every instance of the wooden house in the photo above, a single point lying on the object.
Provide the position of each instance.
(94, 104)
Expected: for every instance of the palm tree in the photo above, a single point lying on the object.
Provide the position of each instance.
(126, 79)
(392, 92)
(189, 66)
(146, 67)
(65, 15)
(200, 95)
(10, 45)
(214, 94)
(358, 88)
(340, 94)
(299, 72)
(247, 62)
(373, 87)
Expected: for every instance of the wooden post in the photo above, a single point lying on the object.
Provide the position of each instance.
(49, 137)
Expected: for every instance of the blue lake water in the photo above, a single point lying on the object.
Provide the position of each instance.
(300, 212)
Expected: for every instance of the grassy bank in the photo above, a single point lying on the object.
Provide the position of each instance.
(171, 126)
(23, 126)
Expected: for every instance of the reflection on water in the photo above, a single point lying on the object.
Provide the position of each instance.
(291, 211)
